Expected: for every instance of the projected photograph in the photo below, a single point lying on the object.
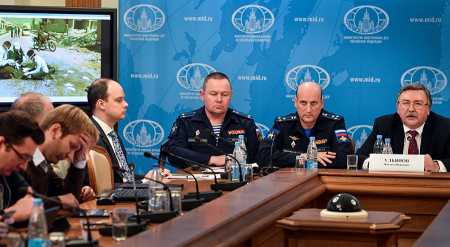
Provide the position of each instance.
(57, 55)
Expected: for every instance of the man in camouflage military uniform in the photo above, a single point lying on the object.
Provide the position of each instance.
(214, 124)
(290, 134)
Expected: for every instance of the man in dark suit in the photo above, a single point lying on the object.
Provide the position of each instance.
(414, 129)
(19, 137)
(106, 99)
(69, 134)
(38, 106)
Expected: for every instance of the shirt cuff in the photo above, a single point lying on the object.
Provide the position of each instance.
(442, 167)
(80, 164)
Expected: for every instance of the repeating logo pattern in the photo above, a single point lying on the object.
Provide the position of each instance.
(434, 79)
(143, 133)
(359, 134)
(307, 73)
(252, 19)
(366, 19)
(191, 76)
(144, 18)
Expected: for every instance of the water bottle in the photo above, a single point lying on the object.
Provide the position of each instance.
(247, 171)
(311, 154)
(379, 145)
(387, 149)
(37, 225)
(243, 148)
(240, 155)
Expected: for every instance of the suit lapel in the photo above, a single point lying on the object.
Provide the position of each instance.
(104, 142)
(426, 143)
(398, 135)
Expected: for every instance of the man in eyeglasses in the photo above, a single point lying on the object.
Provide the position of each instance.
(414, 129)
(293, 132)
(19, 137)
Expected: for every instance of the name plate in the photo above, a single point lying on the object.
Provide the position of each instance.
(396, 163)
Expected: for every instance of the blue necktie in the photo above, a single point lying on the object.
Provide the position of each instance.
(127, 176)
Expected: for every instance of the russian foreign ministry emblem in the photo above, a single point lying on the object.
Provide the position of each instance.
(434, 79)
(359, 134)
(366, 19)
(252, 19)
(143, 133)
(144, 18)
(307, 73)
(191, 76)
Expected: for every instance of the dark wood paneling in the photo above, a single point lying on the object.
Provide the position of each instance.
(84, 3)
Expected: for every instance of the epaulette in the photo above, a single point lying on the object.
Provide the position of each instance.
(187, 114)
(330, 115)
(290, 117)
(242, 114)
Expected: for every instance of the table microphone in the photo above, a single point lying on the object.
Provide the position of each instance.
(76, 210)
(197, 195)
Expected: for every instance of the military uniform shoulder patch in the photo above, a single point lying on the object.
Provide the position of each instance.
(242, 114)
(341, 136)
(330, 115)
(290, 117)
(187, 114)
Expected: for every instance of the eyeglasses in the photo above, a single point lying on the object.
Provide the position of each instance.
(23, 157)
(416, 104)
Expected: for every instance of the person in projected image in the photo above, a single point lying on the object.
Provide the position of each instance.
(8, 65)
(39, 69)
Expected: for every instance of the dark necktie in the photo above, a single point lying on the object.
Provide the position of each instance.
(44, 166)
(412, 149)
(127, 176)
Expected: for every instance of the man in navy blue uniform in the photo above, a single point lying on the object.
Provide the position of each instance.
(414, 129)
(214, 124)
(290, 133)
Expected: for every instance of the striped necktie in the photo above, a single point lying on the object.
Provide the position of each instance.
(127, 176)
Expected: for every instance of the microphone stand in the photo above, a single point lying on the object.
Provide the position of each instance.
(198, 196)
(79, 243)
(272, 136)
(216, 186)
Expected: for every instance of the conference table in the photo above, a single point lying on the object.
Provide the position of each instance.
(248, 215)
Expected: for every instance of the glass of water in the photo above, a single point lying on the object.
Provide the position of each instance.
(300, 162)
(352, 162)
(119, 223)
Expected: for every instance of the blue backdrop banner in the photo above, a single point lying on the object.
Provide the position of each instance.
(361, 53)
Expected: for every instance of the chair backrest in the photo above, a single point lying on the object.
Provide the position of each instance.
(101, 176)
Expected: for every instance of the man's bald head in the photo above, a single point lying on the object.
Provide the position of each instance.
(311, 87)
(35, 104)
(309, 103)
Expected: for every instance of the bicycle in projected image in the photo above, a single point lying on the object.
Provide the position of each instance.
(44, 41)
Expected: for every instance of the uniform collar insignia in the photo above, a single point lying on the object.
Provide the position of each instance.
(294, 138)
